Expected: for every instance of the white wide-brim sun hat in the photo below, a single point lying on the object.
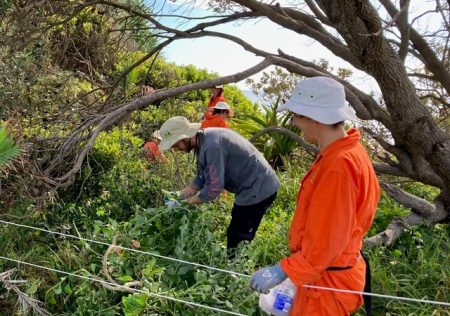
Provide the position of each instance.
(321, 99)
(156, 135)
(222, 106)
(176, 128)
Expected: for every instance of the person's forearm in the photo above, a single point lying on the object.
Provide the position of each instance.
(190, 190)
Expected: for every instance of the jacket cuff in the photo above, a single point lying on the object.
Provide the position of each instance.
(299, 270)
(279, 270)
(203, 195)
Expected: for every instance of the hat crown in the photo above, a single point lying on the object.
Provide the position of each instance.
(174, 126)
(175, 129)
(221, 106)
(319, 92)
(320, 98)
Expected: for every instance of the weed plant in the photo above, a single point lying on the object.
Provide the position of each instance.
(125, 205)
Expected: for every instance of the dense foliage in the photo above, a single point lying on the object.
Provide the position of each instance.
(123, 202)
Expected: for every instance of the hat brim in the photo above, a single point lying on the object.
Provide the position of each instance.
(169, 142)
(321, 115)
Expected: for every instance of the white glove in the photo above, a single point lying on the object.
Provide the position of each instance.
(173, 195)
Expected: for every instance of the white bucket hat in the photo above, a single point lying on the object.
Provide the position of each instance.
(176, 128)
(156, 135)
(221, 106)
(320, 98)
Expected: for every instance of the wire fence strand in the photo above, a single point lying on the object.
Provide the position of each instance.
(127, 248)
(122, 286)
(228, 271)
(400, 298)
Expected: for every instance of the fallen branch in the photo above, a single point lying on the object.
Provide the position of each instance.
(422, 212)
(128, 287)
(26, 302)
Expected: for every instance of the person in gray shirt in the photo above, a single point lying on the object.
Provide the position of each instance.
(225, 161)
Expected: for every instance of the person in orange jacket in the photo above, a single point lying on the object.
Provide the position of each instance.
(336, 205)
(151, 149)
(216, 97)
(220, 116)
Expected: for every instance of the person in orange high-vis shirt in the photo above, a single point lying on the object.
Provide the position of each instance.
(219, 117)
(336, 205)
(216, 97)
(151, 149)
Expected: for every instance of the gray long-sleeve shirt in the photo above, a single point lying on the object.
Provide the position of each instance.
(226, 160)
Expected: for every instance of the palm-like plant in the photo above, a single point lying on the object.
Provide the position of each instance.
(8, 150)
(274, 146)
(273, 87)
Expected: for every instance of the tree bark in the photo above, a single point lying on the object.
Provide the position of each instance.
(359, 24)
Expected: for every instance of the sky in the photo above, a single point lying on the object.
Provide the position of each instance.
(225, 57)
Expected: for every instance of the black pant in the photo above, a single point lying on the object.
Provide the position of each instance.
(245, 221)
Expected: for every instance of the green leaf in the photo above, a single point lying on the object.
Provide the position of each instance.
(268, 147)
(8, 151)
(67, 289)
(57, 289)
(51, 299)
(133, 305)
(125, 278)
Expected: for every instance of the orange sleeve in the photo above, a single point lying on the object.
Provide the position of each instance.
(215, 121)
(222, 123)
(205, 123)
(331, 218)
(214, 101)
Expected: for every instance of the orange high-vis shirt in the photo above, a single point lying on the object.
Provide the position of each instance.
(151, 150)
(212, 102)
(336, 205)
(214, 121)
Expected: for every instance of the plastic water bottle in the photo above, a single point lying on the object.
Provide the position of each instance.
(279, 300)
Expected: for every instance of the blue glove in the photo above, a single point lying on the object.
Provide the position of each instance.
(265, 279)
(171, 204)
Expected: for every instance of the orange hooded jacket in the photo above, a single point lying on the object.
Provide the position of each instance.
(336, 205)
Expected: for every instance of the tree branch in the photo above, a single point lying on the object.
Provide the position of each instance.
(428, 214)
(109, 119)
(283, 131)
(303, 24)
(126, 288)
(430, 59)
(403, 26)
(418, 205)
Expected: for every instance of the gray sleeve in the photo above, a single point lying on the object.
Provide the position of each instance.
(197, 181)
(214, 175)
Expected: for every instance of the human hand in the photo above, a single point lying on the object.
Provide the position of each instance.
(266, 278)
(189, 191)
(194, 200)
